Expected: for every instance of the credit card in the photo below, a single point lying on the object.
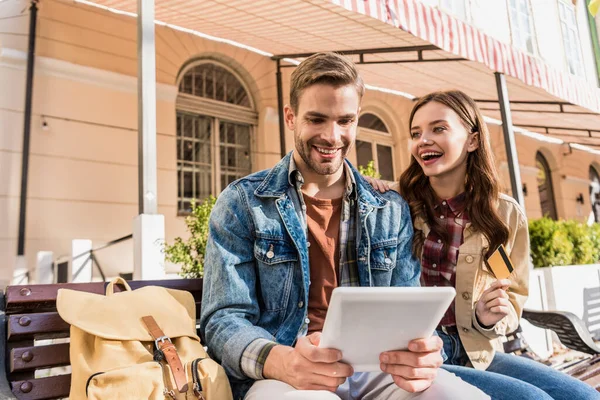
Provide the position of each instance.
(500, 263)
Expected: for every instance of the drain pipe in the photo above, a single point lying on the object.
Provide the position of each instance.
(280, 109)
(26, 134)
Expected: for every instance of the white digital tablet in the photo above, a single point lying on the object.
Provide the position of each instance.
(363, 322)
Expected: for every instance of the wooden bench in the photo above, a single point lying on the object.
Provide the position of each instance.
(572, 333)
(28, 315)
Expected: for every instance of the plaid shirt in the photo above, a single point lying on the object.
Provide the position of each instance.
(438, 268)
(255, 355)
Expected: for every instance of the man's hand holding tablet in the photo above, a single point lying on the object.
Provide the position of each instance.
(307, 366)
(414, 369)
(388, 329)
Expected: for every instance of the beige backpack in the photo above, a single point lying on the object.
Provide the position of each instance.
(114, 341)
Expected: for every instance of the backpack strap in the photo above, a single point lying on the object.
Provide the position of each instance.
(164, 344)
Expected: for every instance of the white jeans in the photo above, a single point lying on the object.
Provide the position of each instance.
(370, 386)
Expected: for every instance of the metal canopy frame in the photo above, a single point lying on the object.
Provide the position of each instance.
(146, 52)
(560, 104)
(419, 51)
(559, 128)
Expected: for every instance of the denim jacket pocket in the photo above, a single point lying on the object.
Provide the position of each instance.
(276, 259)
(383, 255)
(274, 251)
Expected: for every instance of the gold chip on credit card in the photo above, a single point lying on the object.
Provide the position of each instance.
(500, 264)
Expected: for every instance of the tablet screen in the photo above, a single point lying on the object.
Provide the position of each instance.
(363, 322)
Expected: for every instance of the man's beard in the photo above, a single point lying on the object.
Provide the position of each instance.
(304, 149)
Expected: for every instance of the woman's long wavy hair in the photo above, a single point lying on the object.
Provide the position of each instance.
(481, 183)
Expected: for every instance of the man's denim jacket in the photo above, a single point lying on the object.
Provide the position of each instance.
(256, 275)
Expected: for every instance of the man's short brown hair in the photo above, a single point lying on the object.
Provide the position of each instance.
(328, 68)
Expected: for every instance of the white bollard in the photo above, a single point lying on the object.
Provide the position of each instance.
(81, 264)
(20, 273)
(148, 242)
(44, 270)
(540, 340)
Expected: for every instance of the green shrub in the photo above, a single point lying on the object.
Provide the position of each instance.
(583, 246)
(594, 234)
(190, 253)
(563, 242)
(550, 245)
(369, 170)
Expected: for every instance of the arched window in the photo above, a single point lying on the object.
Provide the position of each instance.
(595, 193)
(215, 124)
(375, 143)
(212, 81)
(544, 179)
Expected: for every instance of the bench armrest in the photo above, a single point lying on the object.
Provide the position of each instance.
(570, 329)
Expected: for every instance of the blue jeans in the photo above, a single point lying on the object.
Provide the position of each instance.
(511, 377)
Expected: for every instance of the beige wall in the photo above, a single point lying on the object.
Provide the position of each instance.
(569, 171)
(83, 169)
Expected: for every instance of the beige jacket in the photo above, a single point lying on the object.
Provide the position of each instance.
(473, 277)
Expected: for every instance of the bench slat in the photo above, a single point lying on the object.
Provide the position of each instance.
(53, 387)
(29, 326)
(43, 297)
(54, 355)
(48, 325)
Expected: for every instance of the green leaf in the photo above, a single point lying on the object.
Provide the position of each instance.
(369, 170)
(190, 253)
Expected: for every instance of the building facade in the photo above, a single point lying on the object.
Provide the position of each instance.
(217, 120)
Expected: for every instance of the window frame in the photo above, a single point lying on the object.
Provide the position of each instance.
(452, 9)
(576, 47)
(375, 137)
(196, 63)
(219, 112)
(594, 176)
(551, 198)
(516, 25)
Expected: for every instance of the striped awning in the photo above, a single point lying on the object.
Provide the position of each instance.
(541, 95)
(461, 39)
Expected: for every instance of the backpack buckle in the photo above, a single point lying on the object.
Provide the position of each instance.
(162, 340)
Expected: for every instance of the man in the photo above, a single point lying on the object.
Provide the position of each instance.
(281, 240)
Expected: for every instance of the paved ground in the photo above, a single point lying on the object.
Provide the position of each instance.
(565, 359)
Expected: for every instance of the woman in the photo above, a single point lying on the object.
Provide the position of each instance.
(460, 219)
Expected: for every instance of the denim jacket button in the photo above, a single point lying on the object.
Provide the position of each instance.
(307, 321)
(300, 304)
(307, 244)
(270, 254)
(388, 261)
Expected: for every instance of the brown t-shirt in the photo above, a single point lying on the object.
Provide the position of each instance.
(323, 219)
